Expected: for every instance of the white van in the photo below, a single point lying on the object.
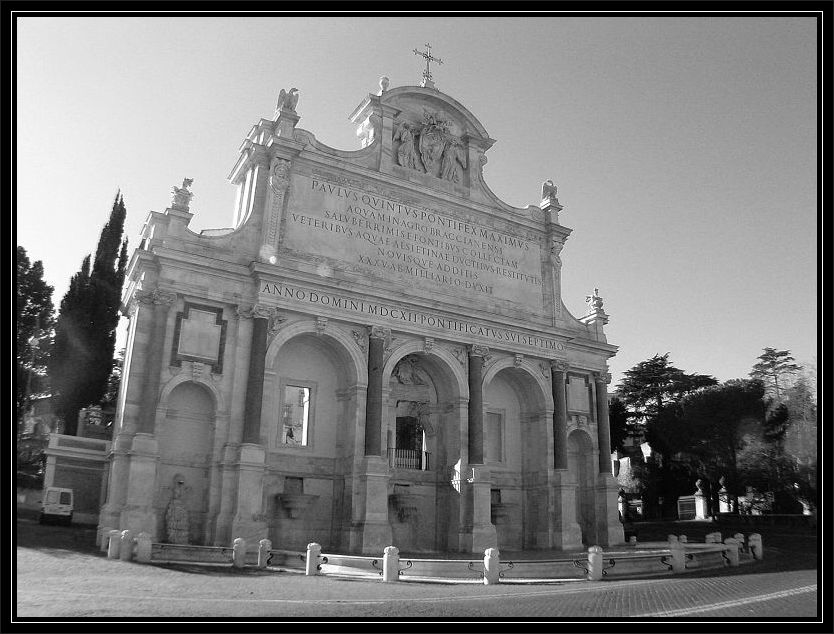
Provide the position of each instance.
(56, 505)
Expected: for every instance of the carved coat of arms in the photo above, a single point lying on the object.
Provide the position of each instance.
(432, 145)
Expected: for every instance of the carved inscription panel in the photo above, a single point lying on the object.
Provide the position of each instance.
(427, 249)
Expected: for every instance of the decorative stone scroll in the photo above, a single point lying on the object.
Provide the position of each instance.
(428, 344)
(321, 325)
(279, 181)
(360, 339)
(518, 360)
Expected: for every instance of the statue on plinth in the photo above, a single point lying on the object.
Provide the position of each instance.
(287, 100)
(594, 302)
(182, 195)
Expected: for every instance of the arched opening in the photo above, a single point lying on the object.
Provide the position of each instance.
(308, 427)
(186, 438)
(515, 451)
(422, 437)
(581, 465)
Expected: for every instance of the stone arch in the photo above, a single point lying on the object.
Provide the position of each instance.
(450, 364)
(517, 427)
(184, 377)
(185, 433)
(582, 466)
(346, 347)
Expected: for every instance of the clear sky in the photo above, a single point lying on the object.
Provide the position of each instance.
(684, 148)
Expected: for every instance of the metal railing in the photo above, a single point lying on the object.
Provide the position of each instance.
(409, 459)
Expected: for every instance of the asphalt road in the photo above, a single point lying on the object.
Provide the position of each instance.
(61, 574)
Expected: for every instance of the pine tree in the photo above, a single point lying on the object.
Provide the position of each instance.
(773, 366)
(85, 334)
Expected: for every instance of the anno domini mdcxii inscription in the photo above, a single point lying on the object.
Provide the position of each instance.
(383, 237)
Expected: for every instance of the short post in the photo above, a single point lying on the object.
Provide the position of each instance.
(754, 542)
(683, 539)
(673, 539)
(143, 548)
(313, 552)
(126, 546)
(678, 551)
(492, 566)
(739, 537)
(391, 564)
(113, 542)
(731, 551)
(103, 538)
(264, 546)
(632, 539)
(712, 538)
(239, 553)
(595, 563)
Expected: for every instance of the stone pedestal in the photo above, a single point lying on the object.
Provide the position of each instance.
(609, 528)
(249, 521)
(371, 529)
(138, 513)
(565, 533)
(700, 507)
(477, 531)
(110, 514)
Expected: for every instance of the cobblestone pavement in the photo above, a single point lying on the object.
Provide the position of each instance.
(81, 583)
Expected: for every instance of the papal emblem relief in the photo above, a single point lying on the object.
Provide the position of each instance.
(430, 147)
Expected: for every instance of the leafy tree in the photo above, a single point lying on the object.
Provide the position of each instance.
(774, 366)
(34, 321)
(85, 334)
(618, 422)
(651, 384)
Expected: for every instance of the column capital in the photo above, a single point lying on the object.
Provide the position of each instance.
(476, 350)
(602, 377)
(559, 365)
(379, 332)
(257, 311)
(155, 296)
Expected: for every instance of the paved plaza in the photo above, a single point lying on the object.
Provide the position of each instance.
(61, 574)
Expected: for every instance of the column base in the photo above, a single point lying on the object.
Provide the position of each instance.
(609, 528)
(249, 521)
(477, 533)
(565, 532)
(138, 513)
(370, 530)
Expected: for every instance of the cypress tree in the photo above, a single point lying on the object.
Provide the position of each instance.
(85, 333)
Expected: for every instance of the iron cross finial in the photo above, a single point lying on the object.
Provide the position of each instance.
(429, 58)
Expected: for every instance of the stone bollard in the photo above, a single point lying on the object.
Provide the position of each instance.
(632, 539)
(678, 551)
(712, 538)
(126, 545)
(113, 543)
(239, 553)
(739, 537)
(143, 548)
(595, 563)
(672, 538)
(103, 538)
(731, 551)
(683, 539)
(391, 564)
(754, 543)
(313, 552)
(492, 566)
(264, 546)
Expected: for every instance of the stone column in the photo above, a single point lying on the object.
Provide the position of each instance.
(255, 381)
(563, 527)
(560, 415)
(373, 407)
(477, 356)
(371, 530)
(161, 302)
(609, 527)
(477, 530)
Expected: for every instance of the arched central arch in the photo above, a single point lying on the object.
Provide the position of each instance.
(425, 395)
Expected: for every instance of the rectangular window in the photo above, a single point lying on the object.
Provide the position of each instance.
(494, 445)
(295, 415)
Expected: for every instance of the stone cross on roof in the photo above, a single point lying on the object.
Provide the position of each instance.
(427, 81)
